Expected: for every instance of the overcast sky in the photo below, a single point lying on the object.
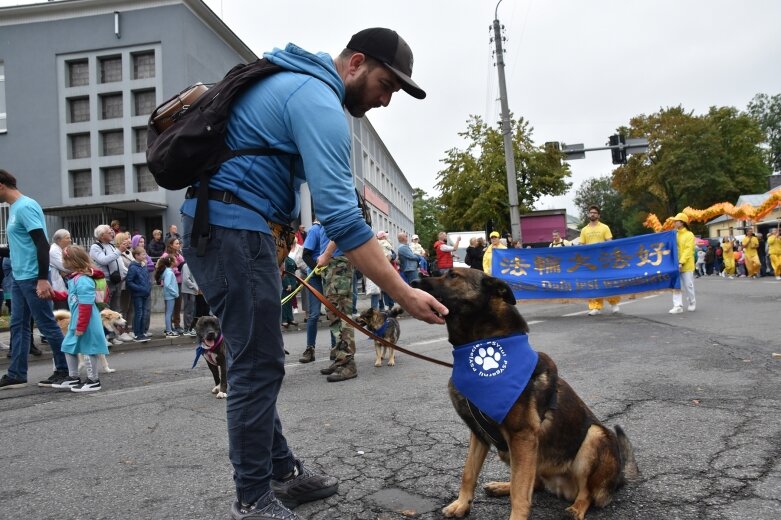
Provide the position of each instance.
(575, 69)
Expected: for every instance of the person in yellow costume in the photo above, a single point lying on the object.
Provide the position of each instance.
(685, 239)
(774, 250)
(496, 243)
(729, 257)
(593, 233)
(750, 246)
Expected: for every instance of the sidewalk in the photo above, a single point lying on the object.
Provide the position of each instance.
(156, 327)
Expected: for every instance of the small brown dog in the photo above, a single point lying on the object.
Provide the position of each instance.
(549, 437)
(111, 320)
(385, 325)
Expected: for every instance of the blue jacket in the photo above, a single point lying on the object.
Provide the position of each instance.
(137, 280)
(299, 112)
(170, 288)
(407, 259)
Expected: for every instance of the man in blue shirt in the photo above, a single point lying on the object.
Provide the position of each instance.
(314, 245)
(299, 111)
(29, 250)
(408, 261)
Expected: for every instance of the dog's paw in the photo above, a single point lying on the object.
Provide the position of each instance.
(457, 509)
(497, 489)
(488, 358)
(221, 395)
(378, 363)
(391, 362)
(216, 389)
(574, 513)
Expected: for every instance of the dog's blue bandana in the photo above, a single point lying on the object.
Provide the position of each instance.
(492, 373)
(207, 353)
(381, 331)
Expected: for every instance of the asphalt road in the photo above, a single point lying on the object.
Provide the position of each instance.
(698, 394)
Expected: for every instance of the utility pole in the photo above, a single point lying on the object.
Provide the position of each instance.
(509, 154)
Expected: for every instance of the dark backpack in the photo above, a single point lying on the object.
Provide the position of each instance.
(186, 136)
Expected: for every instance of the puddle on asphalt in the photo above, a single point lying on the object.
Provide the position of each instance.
(398, 500)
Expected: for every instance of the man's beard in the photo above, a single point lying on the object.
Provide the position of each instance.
(353, 97)
(593, 218)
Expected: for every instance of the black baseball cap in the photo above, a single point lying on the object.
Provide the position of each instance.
(390, 49)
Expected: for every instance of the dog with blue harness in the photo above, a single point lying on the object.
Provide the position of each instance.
(385, 325)
(511, 397)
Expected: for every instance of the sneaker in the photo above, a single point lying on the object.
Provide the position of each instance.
(303, 486)
(676, 310)
(691, 308)
(68, 383)
(308, 356)
(141, 339)
(125, 337)
(594, 312)
(55, 379)
(190, 332)
(179, 330)
(343, 373)
(171, 334)
(266, 508)
(616, 309)
(87, 386)
(10, 382)
(778, 277)
(117, 341)
(35, 351)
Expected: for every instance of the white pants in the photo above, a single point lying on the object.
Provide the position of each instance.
(687, 285)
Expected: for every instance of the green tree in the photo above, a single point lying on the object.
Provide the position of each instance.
(767, 111)
(426, 211)
(473, 184)
(691, 161)
(600, 192)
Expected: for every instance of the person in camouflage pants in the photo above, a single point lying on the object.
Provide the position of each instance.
(338, 286)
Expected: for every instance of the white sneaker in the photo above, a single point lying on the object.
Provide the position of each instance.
(117, 341)
(594, 312)
(676, 310)
(616, 309)
(778, 277)
(691, 308)
(125, 337)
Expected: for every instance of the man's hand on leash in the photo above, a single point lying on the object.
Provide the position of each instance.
(423, 306)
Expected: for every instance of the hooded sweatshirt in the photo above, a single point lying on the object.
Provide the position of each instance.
(298, 111)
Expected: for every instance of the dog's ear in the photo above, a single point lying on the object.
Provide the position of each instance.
(499, 288)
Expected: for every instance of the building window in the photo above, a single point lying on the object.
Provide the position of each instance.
(110, 69)
(144, 179)
(113, 180)
(111, 106)
(140, 140)
(79, 146)
(3, 125)
(144, 65)
(78, 73)
(143, 102)
(78, 110)
(113, 143)
(81, 183)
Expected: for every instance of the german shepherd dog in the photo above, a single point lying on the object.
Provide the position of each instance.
(550, 438)
(385, 325)
(210, 339)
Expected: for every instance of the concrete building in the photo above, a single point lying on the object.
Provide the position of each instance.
(78, 80)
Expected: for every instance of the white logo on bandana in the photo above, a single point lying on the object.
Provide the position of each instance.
(488, 359)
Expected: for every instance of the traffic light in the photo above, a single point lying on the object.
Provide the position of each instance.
(618, 153)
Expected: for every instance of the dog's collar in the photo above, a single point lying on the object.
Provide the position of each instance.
(492, 373)
(201, 351)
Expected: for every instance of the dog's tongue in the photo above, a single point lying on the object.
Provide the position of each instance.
(208, 342)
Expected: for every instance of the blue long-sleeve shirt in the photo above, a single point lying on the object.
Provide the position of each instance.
(298, 111)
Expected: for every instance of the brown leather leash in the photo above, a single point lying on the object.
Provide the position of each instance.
(331, 307)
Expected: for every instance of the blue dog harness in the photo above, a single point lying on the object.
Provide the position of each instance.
(492, 373)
